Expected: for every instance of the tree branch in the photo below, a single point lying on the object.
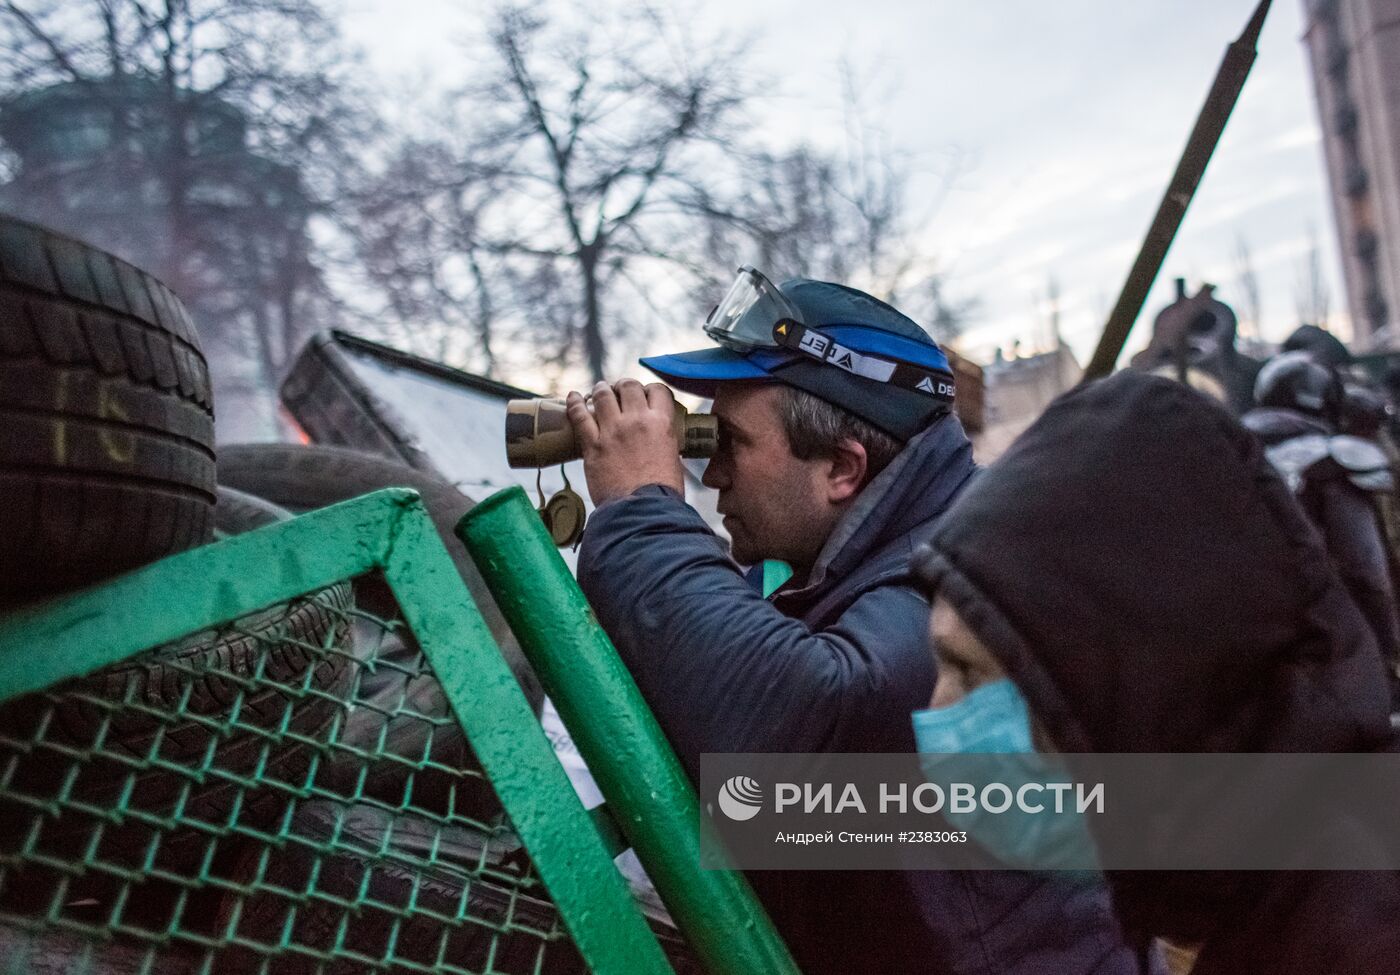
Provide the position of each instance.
(58, 55)
(507, 38)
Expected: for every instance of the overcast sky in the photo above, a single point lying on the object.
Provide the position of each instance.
(1060, 123)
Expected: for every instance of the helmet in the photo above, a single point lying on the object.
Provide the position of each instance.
(1322, 345)
(1296, 381)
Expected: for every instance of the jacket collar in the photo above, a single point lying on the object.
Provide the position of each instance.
(914, 489)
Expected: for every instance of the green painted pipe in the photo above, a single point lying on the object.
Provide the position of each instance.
(618, 737)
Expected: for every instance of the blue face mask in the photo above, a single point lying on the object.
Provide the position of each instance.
(992, 718)
(986, 737)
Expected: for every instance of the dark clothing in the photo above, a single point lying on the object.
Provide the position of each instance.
(1347, 517)
(1044, 924)
(836, 665)
(1151, 585)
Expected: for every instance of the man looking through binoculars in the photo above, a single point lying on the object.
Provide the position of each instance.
(838, 451)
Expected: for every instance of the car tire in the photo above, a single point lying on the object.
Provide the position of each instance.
(107, 462)
(303, 477)
(221, 660)
(150, 735)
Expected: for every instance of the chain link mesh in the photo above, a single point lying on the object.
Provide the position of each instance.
(289, 793)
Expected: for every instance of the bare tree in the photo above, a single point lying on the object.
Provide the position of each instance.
(546, 209)
(945, 317)
(435, 285)
(198, 138)
(1250, 299)
(1053, 338)
(844, 214)
(1312, 297)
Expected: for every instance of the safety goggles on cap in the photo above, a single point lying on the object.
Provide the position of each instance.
(744, 318)
(754, 315)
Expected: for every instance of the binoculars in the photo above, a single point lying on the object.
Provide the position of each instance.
(538, 433)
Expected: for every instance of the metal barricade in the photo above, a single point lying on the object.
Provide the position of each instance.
(325, 766)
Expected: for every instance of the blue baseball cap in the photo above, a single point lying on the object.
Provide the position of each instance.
(856, 320)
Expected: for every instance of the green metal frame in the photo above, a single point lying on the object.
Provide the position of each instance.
(617, 735)
(391, 532)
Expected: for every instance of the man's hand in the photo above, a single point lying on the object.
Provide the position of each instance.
(628, 439)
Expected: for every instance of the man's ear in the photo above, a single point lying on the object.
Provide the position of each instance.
(846, 476)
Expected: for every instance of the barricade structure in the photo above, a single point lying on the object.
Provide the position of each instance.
(305, 780)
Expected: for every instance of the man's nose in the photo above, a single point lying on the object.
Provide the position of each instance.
(714, 476)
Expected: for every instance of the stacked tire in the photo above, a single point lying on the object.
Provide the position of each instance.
(389, 705)
(176, 701)
(107, 462)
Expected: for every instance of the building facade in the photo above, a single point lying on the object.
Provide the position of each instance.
(1354, 48)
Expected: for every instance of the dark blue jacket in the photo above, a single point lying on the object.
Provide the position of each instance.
(834, 666)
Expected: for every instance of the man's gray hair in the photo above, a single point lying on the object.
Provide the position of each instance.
(815, 428)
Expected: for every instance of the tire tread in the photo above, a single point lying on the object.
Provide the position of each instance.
(93, 349)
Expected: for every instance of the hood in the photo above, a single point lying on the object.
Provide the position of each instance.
(1150, 584)
(1147, 577)
(917, 486)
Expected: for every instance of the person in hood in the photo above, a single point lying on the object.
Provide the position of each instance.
(1342, 481)
(838, 452)
(1134, 576)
